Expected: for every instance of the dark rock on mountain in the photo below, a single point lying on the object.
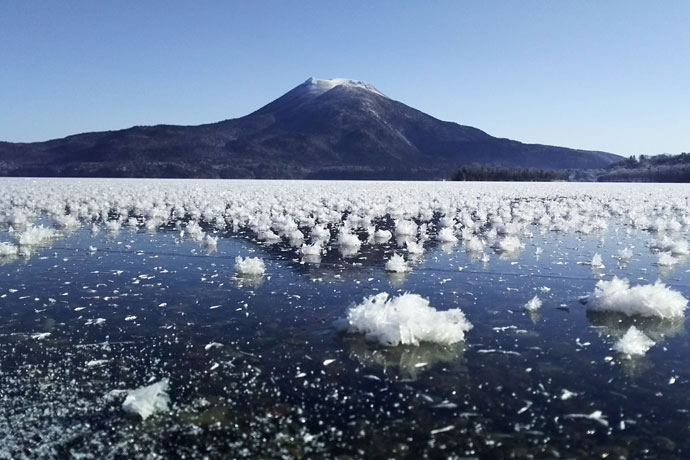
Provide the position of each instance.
(322, 129)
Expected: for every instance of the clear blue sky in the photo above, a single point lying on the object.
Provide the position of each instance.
(607, 75)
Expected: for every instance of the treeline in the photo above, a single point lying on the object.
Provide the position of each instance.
(480, 172)
(645, 168)
(657, 160)
(659, 168)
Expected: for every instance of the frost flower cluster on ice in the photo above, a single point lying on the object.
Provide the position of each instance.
(7, 249)
(643, 300)
(406, 320)
(445, 235)
(249, 266)
(634, 342)
(147, 400)
(534, 304)
(36, 236)
(397, 264)
(314, 249)
(596, 261)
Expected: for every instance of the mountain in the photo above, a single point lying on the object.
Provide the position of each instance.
(321, 129)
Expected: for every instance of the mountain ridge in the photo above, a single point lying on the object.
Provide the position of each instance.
(336, 128)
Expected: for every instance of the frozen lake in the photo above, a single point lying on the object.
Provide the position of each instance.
(134, 283)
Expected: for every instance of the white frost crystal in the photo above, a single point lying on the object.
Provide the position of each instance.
(414, 248)
(634, 342)
(446, 235)
(643, 300)
(314, 249)
(625, 254)
(7, 249)
(250, 266)
(348, 239)
(406, 320)
(508, 244)
(474, 244)
(383, 235)
(36, 236)
(666, 259)
(397, 264)
(596, 261)
(148, 400)
(534, 304)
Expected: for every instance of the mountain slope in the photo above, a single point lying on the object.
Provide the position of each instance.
(320, 129)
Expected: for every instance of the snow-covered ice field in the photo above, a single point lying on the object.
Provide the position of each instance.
(287, 319)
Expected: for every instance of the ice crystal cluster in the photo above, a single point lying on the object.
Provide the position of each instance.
(406, 320)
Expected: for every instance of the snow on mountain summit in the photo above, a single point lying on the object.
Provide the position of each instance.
(319, 87)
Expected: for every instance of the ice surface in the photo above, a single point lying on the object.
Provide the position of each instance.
(406, 320)
(643, 300)
(279, 330)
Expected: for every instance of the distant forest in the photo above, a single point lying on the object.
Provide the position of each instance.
(659, 168)
(480, 172)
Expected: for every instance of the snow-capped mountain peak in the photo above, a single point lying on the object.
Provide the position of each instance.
(318, 87)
